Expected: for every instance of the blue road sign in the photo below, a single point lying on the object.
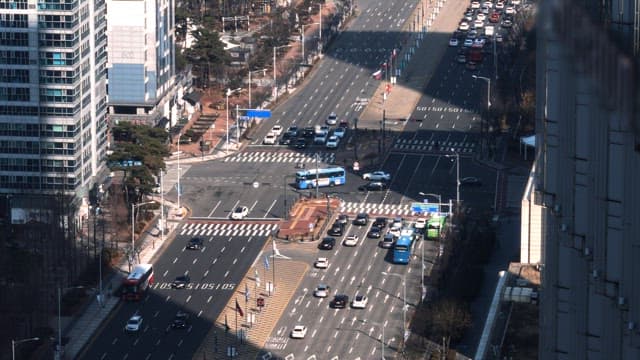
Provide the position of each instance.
(258, 113)
(420, 208)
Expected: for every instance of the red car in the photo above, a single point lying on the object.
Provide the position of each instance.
(494, 17)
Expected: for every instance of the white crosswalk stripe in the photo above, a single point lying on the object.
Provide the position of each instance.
(206, 229)
(376, 209)
(462, 147)
(280, 157)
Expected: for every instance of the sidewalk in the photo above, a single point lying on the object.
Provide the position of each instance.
(81, 330)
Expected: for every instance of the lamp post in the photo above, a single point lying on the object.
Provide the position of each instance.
(437, 196)
(229, 92)
(304, 60)
(404, 299)
(133, 225)
(18, 342)
(317, 156)
(264, 72)
(320, 22)
(381, 326)
(488, 80)
(457, 156)
(275, 71)
(286, 210)
(179, 175)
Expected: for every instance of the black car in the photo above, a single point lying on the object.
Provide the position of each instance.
(381, 222)
(180, 321)
(361, 219)
(374, 233)
(339, 301)
(293, 131)
(181, 282)
(194, 244)
(373, 186)
(308, 133)
(286, 139)
(300, 144)
(471, 181)
(337, 229)
(343, 219)
(327, 243)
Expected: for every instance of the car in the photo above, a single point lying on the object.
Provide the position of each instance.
(475, 5)
(239, 213)
(327, 243)
(478, 24)
(344, 123)
(474, 181)
(499, 38)
(320, 139)
(343, 219)
(481, 17)
(468, 17)
(453, 42)
(181, 320)
(499, 5)
(180, 282)
(479, 42)
(269, 139)
(488, 4)
(293, 131)
(299, 332)
(308, 132)
(373, 186)
(300, 144)
(339, 301)
(397, 222)
(351, 240)
(276, 130)
(339, 132)
(387, 241)
(332, 142)
(461, 58)
(484, 10)
(336, 229)
(515, 2)
(286, 139)
(134, 323)
(359, 302)
(194, 244)
(321, 291)
(332, 119)
(374, 233)
(506, 23)
(361, 219)
(494, 17)
(377, 176)
(380, 222)
(464, 26)
(471, 65)
(472, 34)
(420, 223)
(510, 10)
(321, 263)
(467, 43)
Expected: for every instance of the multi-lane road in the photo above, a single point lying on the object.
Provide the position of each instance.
(259, 178)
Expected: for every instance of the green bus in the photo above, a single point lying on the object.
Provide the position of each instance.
(435, 226)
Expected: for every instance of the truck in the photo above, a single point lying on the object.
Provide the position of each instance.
(489, 30)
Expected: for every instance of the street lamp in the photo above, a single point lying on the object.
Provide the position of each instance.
(488, 80)
(179, 175)
(457, 156)
(381, 326)
(275, 71)
(404, 299)
(286, 210)
(264, 73)
(18, 342)
(133, 225)
(229, 92)
(320, 22)
(304, 60)
(437, 196)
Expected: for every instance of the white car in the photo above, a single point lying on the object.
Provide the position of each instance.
(488, 4)
(510, 10)
(351, 240)
(332, 119)
(420, 223)
(500, 5)
(321, 291)
(322, 263)
(134, 323)
(478, 24)
(270, 139)
(453, 42)
(377, 176)
(276, 130)
(481, 16)
(359, 302)
(299, 332)
(239, 213)
(479, 42)
(332, 142)
(475, 5)
(339, 132)
(467, 43)
(464, 26)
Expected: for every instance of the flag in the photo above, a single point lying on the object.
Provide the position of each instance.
(239, 309)
(247, 294)
(226, 324)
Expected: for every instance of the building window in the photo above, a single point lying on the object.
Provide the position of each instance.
(14, 94)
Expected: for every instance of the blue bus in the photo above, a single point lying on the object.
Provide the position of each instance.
(306, 179)
(402, 250)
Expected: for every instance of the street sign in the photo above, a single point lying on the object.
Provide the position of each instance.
(420, 208)
(256, 113)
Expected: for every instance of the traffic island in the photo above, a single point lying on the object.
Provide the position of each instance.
(307, 219)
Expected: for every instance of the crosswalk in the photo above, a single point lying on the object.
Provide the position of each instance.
(227, 229)
(376, 209)
(281, 157)
(461, 147)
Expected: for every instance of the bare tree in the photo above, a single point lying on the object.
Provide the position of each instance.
(450, 319)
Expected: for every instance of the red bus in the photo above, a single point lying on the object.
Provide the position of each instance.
(137, 283)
